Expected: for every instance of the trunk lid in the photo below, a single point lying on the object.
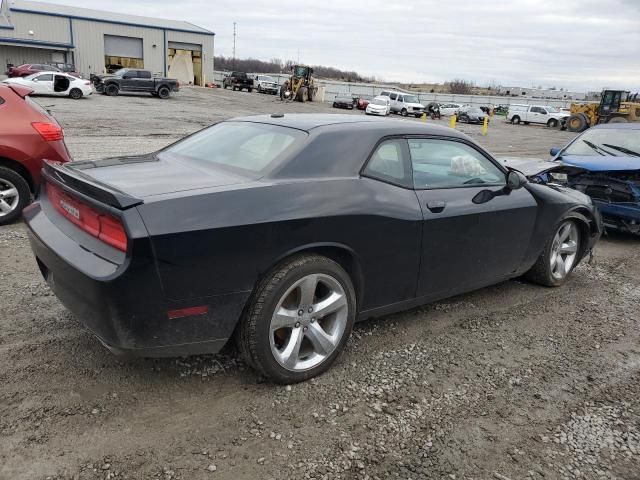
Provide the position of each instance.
(148, 175)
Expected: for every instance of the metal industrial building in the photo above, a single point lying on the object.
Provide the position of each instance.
(97, 41)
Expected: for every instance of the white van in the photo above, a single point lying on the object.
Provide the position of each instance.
(550, 116)
(404, 103)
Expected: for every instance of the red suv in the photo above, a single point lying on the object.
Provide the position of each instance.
(31, 136)
(29, 68)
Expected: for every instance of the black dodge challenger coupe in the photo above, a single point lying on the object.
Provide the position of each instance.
(281, 231)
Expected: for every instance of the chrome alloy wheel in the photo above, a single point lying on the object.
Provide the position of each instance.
(308, 322)
(564, 250)
(9, 197)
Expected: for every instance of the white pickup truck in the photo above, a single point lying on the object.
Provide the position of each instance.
(550, 116)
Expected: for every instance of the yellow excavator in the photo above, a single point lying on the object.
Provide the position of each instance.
(300, 86)
(616, 106)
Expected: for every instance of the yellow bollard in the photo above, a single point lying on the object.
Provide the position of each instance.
(485, 126)
(423, 117)
(452, 122)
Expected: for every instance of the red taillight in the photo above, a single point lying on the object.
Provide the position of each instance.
(51, 132)
(106, 227)
(178, 83)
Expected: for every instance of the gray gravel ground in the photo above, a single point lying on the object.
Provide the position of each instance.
(509, 382)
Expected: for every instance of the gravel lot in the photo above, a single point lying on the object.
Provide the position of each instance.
(509, 382)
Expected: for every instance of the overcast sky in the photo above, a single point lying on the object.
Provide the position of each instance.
(576, 44)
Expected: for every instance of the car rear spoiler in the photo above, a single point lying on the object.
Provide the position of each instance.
(68, 177)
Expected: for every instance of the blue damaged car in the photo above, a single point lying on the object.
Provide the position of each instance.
(608, 161)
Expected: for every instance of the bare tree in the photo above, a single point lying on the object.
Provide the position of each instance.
(460, 86)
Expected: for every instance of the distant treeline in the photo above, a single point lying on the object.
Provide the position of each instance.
(275, 65)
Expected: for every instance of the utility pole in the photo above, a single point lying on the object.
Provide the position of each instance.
(234, 45)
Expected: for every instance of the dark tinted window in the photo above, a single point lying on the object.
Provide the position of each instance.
(144, 74)
(388, 163)
(450, 164)
(252, 147)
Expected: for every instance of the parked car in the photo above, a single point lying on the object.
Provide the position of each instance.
(309, 228)
(550, 116)
(265, 84)
(69, 68)
(362, 101)
(343, 101)
(54, 84)
(29, 69)
(609, 158)
(403, 103)
(238, 81)
(30, 136)
(379, 106)
(472, 115)
(135, 81)
(449, 109)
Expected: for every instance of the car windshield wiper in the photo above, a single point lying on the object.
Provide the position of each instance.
(599, 149)
(622, 149)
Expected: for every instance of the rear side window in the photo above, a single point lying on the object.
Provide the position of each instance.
(240, 146)
(144, 74)
(393, 96)
(389, 163)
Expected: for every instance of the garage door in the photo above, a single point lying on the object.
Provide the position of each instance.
(186, 46)
(116, 46)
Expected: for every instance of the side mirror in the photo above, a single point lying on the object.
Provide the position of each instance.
(554, 151)
(515, 180)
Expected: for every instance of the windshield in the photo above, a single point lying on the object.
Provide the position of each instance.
(243, 146)
(411, 99)
(263, 78)
(121, 72)
(378, 101)
(605, 141)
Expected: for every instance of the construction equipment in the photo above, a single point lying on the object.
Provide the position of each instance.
(616, 106)
(300, 86)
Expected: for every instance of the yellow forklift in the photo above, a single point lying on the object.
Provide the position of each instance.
(300, 86)
(616, 106)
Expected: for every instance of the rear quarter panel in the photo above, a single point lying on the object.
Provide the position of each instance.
(222, 242)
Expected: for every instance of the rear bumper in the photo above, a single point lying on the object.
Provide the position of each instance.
(123, 304)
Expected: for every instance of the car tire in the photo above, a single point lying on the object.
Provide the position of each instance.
(404, 112)
(164, 92)
(249, 90)
(317, 342)
(552, 123)
(112, 90)
(562, 248)
(12, 203)
(75, 94)
(335, 105)
(515, 120)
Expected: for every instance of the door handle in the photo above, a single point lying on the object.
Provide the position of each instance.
(436, 206)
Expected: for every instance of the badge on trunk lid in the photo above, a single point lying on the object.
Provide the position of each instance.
(70, 209)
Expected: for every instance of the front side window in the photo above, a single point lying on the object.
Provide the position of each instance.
(241, 146)
(388, 163)
(393, 96)
(450, 164)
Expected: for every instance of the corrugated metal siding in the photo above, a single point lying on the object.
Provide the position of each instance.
(45, 28)
(89, 41)
(22, 55)
(207, 49)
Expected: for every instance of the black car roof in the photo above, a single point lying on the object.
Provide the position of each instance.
(386, 126)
